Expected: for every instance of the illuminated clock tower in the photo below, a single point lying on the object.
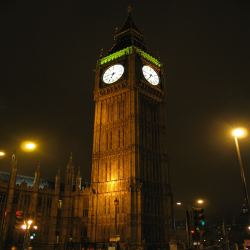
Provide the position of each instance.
(130, 198)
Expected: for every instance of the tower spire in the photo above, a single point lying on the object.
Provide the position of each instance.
(129, 9)
(128, 35)
(69, 174)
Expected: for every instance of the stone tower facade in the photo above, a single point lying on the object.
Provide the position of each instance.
(130, 193)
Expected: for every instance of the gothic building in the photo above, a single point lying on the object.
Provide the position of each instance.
(62, 209)
(129, 201)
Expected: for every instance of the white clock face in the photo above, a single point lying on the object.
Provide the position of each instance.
(113, 73)
(150, 75)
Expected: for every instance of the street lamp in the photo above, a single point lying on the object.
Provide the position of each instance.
(189, 220)
(26, 226)
(187, 223)
(25, 146)
(239, 132)
(116, 205)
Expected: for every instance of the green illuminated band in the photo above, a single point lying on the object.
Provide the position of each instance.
(128, 51)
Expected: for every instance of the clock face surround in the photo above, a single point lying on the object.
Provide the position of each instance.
(150, 75)
(113, 73)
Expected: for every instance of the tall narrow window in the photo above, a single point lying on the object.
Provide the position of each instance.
(108, 111)
(111, 111)
(106, 172)
(123, 203)
(119, 138)
(109, 205)
(123, 167)
(110, 169)
(110, 140)
(107, 141)
(123, 108)
(119, 109)
(105, 205)
(123, 137)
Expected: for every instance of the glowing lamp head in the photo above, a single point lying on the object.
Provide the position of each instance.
(238, 132)
(35, 227)
(200, 201)
(178, 203)
(2, 153)
(23, 226)
(192, 231)
(30, 221)
(30, 145)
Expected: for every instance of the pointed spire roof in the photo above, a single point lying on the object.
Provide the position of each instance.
(70, 164)
(127, 36)
(13, 160)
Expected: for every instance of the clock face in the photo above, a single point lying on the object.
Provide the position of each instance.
(150, 75)
(113, 73)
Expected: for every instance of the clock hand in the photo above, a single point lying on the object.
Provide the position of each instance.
(149, 77)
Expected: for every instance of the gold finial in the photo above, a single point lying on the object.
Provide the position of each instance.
(129, 9)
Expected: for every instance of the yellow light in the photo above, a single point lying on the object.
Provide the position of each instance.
(30, 221)
(2, 153)
(238, 132)
(27, 146)
(30, 145)
(200, 201)
(23, 227)
(178, 203)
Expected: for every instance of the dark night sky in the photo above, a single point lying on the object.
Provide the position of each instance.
(49, 49)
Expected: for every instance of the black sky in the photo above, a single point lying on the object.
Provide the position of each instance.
(49, 49)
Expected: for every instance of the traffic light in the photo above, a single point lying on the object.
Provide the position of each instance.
(19, 215)
(198, 217)
(193, 234)
(19, 219)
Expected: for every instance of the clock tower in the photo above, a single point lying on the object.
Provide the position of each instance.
(130, 198)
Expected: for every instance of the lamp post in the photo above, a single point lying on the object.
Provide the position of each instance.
(240, 133)
(26, 226)
(116, 204)
(25, 146)
(189, 221)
